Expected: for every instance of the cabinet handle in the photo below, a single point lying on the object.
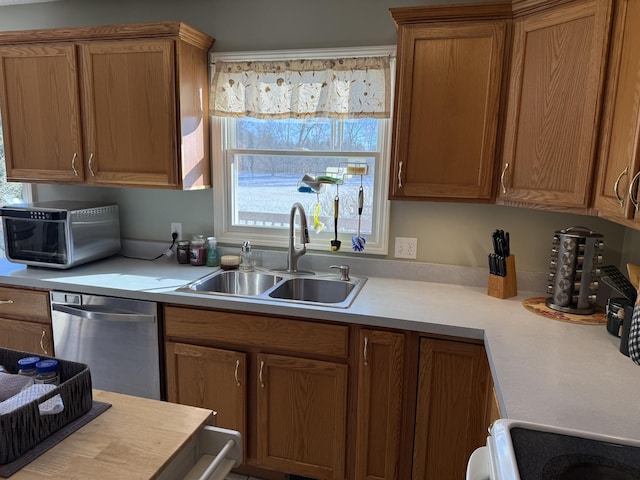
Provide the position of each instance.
(365, 353)
(93, 174)
(73, 164)
(400, 176)
(617, 184)
(235, 374)
(6, 302)
(42, 337)
(504, 171)
(631, 195)
(261, 370)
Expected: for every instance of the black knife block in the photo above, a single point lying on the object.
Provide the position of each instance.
(507, 286)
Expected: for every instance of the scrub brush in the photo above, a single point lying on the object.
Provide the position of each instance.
(358, 241)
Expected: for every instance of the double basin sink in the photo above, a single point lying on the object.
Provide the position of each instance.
(328, 290)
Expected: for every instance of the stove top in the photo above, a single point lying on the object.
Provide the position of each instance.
(528, 451)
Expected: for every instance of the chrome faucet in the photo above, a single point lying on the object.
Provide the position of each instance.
(295, 253)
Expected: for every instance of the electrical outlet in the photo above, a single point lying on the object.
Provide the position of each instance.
(406, 247)
(176, 228)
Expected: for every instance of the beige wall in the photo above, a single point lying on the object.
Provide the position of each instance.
(447, 233)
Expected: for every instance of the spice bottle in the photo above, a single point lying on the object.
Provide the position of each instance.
(47, 372)
(27, 366)
(183, 251)
(212, 252)
(197, 250)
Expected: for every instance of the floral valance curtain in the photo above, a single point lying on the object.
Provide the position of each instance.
(339, 88)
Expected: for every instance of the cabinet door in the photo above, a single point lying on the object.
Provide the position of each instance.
(130, 112)
(618, 160)
(40, 109)
(379, 418)
(554, 101)
(209, 378)
(453, 384)
(26, 336)
(446, 119)
(301, 411)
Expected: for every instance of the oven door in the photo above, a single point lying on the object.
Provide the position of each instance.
(36, 241)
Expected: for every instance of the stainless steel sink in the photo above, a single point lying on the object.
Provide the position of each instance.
(327, 290)
(314, 290)
(234, 282)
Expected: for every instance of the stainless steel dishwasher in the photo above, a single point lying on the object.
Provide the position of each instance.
(117, 338)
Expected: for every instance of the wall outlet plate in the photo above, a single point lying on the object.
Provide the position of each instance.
(406, 247)
(177, 228)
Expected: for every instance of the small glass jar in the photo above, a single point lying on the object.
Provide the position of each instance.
(248, 263)
(197, 250)
(183, 251)
(47, 372)
(212, 252)
(27, 366)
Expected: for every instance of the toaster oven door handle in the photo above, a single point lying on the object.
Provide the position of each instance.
(104, 315)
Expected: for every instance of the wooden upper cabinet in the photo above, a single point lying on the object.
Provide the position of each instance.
(449, 74)
(116, 105)
(619, 155)
(555, 94)
(40, 106)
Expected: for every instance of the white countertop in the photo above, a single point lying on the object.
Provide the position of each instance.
(545, 371)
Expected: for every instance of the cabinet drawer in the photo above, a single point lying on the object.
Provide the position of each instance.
(257, 331)
(24, 304)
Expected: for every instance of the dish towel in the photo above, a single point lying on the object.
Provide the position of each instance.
(49, 407)
(634, 336)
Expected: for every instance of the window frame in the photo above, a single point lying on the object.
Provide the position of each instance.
(222, 134)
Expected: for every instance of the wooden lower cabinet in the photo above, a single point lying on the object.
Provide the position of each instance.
(209, 378)
(379, 405)
(451, 410)
(272, 379)
(25, 320)
(302, 412)
(27, 336)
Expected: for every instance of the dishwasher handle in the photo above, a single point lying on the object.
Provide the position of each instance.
(104, 315)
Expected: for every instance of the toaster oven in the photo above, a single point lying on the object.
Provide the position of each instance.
(60, 234)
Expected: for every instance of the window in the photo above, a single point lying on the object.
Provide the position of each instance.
(266, 162)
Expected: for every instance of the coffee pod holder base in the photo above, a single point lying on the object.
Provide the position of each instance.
(507, 286)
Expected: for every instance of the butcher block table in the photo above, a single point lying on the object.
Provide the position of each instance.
(136, 438)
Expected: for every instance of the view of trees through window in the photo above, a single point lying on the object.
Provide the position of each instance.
(271, 157)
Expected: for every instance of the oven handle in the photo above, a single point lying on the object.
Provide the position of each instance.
(104, 316)
(478, 466)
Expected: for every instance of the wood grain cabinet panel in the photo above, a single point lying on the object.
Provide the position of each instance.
(448, 88)
(619, 155)
(380, 399)
(114, 105)
(25, 320)
(40, 106)
(302, 416)
(295, 406)
(555, 95)
(451, 411)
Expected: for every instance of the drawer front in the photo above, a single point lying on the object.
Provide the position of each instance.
(257, 331)
(30, 305)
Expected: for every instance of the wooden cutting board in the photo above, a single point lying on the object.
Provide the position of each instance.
(634, 274)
